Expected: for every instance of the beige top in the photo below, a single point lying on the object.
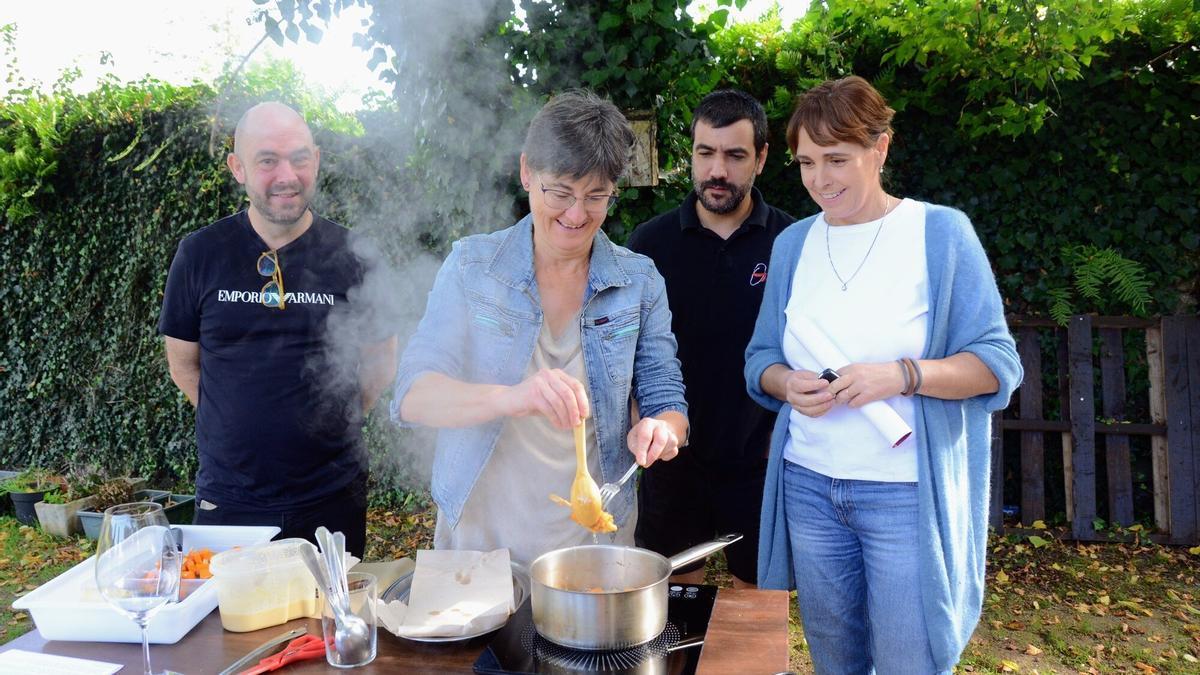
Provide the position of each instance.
(510, 504)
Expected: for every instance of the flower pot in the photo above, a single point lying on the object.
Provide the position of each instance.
(90, 520)
(23, 505)
(180, 509)
(62, 520)
(6, 506)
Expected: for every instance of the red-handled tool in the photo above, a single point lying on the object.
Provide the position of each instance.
(301, 649)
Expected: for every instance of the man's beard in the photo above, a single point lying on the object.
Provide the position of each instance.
(282, 215)
(736, 193)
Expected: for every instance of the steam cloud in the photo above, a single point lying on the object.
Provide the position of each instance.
(453, 126)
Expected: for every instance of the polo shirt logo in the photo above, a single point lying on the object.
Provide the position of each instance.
(759, 275)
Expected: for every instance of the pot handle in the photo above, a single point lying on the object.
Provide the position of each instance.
(700, 551)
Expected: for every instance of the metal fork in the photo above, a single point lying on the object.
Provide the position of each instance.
(610, 490)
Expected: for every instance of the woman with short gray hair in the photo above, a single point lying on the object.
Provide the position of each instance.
(529, 331)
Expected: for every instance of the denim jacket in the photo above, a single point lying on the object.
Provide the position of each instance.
(482, 322)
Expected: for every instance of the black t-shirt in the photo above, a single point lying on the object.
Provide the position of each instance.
(279, 420)
(715, 287)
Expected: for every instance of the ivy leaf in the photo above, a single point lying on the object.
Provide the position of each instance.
(718, 19)
(640, 10)
(273, 31)
(378, 56)
(608, 20)
(617, 55)
(313, 33)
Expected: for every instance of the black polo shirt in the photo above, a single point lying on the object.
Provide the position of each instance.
(715, 287)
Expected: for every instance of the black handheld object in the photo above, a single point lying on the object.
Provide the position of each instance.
(829, 375)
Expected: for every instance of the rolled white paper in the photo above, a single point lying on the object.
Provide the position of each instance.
(810, 336)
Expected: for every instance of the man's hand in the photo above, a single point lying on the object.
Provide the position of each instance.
(553, 394)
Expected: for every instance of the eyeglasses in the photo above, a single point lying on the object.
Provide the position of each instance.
(593, 204)
(272, 291)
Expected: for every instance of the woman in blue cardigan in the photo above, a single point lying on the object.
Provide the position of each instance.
(884, 543)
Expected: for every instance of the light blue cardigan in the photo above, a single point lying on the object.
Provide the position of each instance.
(953, 437)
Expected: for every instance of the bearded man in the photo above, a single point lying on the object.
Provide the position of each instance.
(259, 319)
(713, 252)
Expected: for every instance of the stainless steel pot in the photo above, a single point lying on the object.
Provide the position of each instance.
(606, 597)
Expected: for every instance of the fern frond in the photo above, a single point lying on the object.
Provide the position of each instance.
(1060, 305)
(1129, 282)
(1089, 271)
(1098, 268)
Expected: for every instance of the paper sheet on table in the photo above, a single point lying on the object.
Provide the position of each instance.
(453, 593)
(802, 331)
(21, 662)
(386, 571)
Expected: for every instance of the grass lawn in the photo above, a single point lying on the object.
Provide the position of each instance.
(1050, 608)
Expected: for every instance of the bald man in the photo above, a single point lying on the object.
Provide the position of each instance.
(258, 321)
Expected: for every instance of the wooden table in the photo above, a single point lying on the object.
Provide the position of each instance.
(748, 633)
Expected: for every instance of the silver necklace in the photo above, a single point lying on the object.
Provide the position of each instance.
(829, 253)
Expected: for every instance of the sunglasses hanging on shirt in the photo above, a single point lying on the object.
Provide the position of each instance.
(272, 292)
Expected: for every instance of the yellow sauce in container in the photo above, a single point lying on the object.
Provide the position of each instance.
(264, 586)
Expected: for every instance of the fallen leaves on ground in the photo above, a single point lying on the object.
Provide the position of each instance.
(29, 558)
(1054, 606)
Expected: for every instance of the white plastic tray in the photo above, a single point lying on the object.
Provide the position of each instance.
(69, 607)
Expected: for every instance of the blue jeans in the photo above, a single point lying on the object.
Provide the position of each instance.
(854, 551)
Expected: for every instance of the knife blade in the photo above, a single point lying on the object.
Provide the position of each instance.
(262, 651)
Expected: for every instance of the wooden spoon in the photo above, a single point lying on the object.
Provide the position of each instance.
(585, 501)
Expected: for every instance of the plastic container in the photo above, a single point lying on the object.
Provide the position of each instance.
(70, 607)
(264, 586)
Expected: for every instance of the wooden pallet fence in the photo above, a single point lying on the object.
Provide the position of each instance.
(1173, 359)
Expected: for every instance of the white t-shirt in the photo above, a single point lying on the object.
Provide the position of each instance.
(880, 317)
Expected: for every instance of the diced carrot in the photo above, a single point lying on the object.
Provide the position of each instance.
(197, 562)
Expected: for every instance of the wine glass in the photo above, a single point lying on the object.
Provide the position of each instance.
(137, 565)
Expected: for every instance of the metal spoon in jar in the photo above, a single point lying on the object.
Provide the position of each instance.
(351, 637)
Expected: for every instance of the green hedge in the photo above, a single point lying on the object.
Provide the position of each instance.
(97, 190)
(84, 376)
(1105, 156)
(83, 367)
